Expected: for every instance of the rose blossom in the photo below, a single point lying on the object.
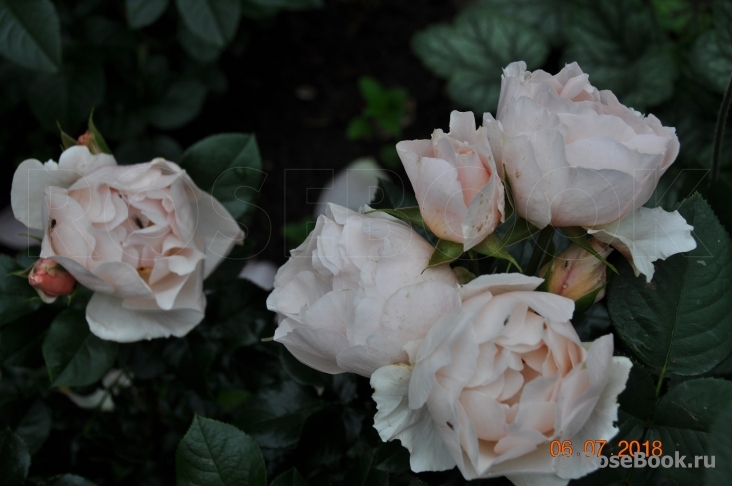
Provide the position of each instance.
(357, 291)
(496, 380)
(143, 237)
(455, 180)
(575, 156)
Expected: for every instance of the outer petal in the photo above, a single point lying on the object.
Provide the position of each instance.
(600, 424)
(414, 428)
(217, 228)
(437, 189)
(29, 185)
(407, 316)
(499, 283)
(525, 178)
(486, 211)
(109, 320)
(646, 235)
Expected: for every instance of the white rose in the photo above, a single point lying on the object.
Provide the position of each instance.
(496, 380)
(356, 292)
(575, 156)
(143, 237)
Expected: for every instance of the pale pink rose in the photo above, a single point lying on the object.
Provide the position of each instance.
(496, 380)
(575, 156)
(142, 237)
(455, 180)
(357, 291)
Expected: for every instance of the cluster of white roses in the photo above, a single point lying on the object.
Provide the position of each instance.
(487, 374)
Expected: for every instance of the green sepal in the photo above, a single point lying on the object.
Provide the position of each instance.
(494, 246)
(97, 144)
(463, 275)
(67, 141)
(548, 275)
(445, 252)
(410, 215)
(578, 237)
(584, 303)
(519, 231)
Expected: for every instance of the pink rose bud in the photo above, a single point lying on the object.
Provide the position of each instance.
(51, 279)
(576, 273)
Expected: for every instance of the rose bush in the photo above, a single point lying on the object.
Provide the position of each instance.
(455, 180)
(575, 156)
(357, 291)
(498, 378)
(142, 237)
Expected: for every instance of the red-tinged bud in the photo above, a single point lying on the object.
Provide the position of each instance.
(84, 139)
(577, 274)
(50, 279)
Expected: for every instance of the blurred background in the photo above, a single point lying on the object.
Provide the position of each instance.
(321, 83)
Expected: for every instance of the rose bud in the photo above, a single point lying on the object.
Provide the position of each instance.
(50, 280)
(456, 182)
(576, 273)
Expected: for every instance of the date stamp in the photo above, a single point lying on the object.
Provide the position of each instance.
(592, 448)
(631, 453)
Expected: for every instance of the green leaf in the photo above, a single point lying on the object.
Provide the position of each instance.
(141, 13)
(74, 356)
(236, 307)
(67, 141)
(620, 44)
(297, 231)
(359, 128)
(68, 96)
(180, 104)
(410, 215)
(711, 55)
(471, 53)
(694, 334)
(227, 166)
(639, 397)
(391, 195)
(289, 4)
(289, 478)
(14, 459)
(98, 144)
(445, 252)
(578, 236)
(277, 413)
(213, 453)
(31, 34)
(544, 15)
(519, 231)
(199, 49)
(68, 480)
(683, 422)
(214, 21)
(493, 246)
(720, 446)
(35, 426)
(17, 297)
